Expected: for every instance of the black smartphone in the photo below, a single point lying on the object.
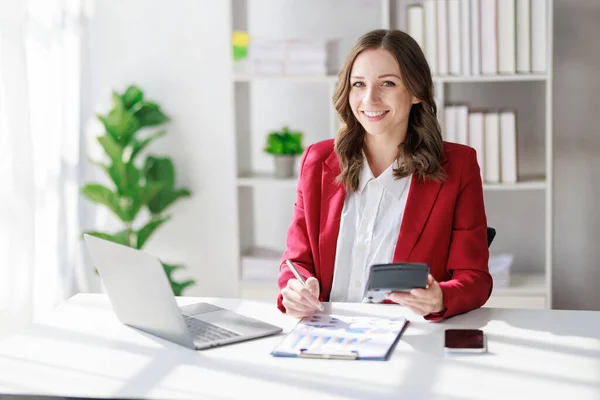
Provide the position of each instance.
(464, 341)
(394, 277)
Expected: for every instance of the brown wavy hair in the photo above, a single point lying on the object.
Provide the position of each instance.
(422, 150)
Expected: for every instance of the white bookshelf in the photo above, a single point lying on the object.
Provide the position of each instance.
(529, 287)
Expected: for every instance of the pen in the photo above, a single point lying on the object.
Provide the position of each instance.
(300, 278)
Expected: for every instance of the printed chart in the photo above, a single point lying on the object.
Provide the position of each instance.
(330, 334)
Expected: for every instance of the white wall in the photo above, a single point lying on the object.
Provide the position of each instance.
(576, 154)
(179, 54)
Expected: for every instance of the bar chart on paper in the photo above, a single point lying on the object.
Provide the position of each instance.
(367, 337)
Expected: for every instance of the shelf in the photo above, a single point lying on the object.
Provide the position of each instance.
(523, 284)
(294, 78)
(267, 180)
(240, 77)
(537, 184)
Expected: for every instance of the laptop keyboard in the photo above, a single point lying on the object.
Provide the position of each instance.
(205, 331)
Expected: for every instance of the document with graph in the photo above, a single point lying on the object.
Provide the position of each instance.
(342, 337)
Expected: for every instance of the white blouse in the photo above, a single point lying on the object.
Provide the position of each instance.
(369, 228)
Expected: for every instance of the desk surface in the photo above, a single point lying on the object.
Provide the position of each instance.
(82, 350)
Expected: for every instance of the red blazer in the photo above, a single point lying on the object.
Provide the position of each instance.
(444, 225)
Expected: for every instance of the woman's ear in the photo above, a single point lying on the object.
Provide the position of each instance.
(415, 100)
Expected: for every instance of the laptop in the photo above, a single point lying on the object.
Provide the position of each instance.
(142, 298)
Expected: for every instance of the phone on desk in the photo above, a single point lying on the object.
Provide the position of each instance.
(464, 341)
(394, 277)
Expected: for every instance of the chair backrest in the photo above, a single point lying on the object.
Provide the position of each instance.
(491, 234)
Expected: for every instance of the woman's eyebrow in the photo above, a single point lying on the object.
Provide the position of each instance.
(386, 75)
(379, 77)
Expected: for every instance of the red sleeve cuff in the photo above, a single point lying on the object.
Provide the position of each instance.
(437, 316)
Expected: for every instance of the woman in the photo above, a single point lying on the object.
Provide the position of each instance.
(387, 189)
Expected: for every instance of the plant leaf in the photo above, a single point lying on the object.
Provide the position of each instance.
(121, 124)
(103, 195)
(150, 114)
(165, 198)
(142, 196)
(286, 142)
(170, 268)
(146, 231)
(132, 96)
(117, 100)
(139, 145)
(112, 148)
(104, 121)
(158, 169)
(126, 178)
(178, 287)
(120, 237)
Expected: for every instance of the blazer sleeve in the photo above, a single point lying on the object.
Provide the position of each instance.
(298, 247)
(468, 255)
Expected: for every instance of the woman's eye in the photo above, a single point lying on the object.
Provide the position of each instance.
(357, 84)
(389, 83)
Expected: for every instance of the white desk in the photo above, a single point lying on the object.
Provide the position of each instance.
(82, 350)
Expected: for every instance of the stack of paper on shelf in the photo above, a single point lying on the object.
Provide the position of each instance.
(493, 135)
(481, 37)
(287, 57)
(499, 266)
(261, 265)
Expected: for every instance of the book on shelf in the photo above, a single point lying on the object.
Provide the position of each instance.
(493, 135)
(475, 38)
(431, 40)
(454, 36)
(508, 147)
(506, 37)
(442, 37)
(523, 35)
(539, 30)
(481, 37)
(415, 24)
(492, 147)
(456, 122)
(465, 36)
(489, 37)
(450, 125)
(477, 138)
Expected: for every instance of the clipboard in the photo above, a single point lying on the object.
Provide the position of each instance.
(336, 337)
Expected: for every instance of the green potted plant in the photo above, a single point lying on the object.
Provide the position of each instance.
(136, 184)
(284, 146)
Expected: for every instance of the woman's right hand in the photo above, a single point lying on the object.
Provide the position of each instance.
(300, 301)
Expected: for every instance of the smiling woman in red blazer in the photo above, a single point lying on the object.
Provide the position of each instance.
(387, 189)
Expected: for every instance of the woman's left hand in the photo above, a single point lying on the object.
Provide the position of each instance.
(421, 301)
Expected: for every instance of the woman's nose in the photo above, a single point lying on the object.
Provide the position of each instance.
(372, 95)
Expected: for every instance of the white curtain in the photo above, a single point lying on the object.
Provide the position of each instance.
(40, 247)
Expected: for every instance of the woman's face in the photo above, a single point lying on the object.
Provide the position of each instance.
(378, 97)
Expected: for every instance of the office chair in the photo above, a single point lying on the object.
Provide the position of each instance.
(491, 234)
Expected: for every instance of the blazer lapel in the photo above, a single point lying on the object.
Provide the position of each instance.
(332, 202)
(421, 198)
